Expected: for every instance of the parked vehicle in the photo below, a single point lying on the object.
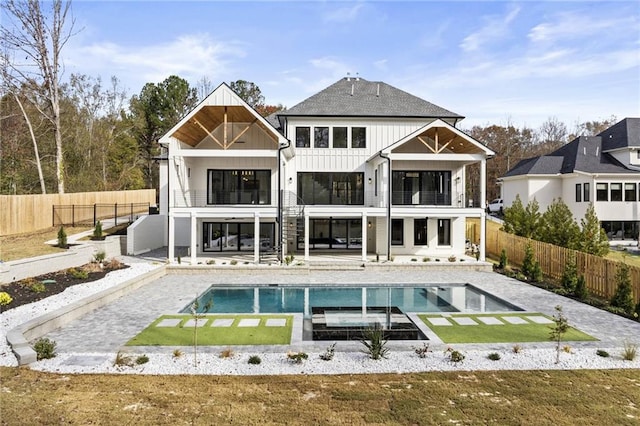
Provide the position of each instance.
(496, 206)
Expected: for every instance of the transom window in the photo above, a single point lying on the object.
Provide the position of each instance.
(238, 186)
(616, 191)
(630, 192)
(331, 137)
(602, 192)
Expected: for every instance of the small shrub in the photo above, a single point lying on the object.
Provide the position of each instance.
(78, 274)
(437, 260)
(451, 258)
(113, 263)
(494, 356)
(122, 360)
(629, 352)
(375, 342)
(569, 278)
(581, 291)
(566, 349)
(413, 259)
(97, 231)
(5, 298)
(142, 359)
(177, 353)
(288, 259)
(45, 348)
(426, 259)
(254, 360)
(211, 262)
(477, 254)
(227, 353)
(636, 312)
(297, 357)
(521, 277)
(179, 260)
(328, 353)
(602, 353)
(503, 260)
(623, 297)
(536, 273)
(233, 262)
(528, 261)
(455, 356)
(516, 349)
(37, 287)
(99, 257)
(422, 351)
(62, 238)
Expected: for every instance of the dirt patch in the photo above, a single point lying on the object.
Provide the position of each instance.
(37, 288)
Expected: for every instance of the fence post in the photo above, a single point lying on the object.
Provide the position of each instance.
(53, 215)
(94, 214)
(115, 216)
(73, 215)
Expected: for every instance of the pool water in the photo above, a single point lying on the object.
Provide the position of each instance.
(294, 299)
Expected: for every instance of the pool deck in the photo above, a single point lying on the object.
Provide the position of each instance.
(107, 329)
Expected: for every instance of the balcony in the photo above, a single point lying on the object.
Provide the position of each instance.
(421, 198)
(204, 198)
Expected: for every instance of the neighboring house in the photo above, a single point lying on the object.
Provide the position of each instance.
(603, 170)
(359, 167)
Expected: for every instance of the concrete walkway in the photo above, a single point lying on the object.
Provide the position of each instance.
(107, 329)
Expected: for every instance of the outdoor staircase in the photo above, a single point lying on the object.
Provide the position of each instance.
(292, 219)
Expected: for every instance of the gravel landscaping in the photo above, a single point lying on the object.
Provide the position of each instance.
(543, 356)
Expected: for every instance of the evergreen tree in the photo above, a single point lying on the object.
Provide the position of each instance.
(593, 239)
(623, 297)
(570, 275)
(522, 221)
(528, 263)
(557, 226)
(581, 291)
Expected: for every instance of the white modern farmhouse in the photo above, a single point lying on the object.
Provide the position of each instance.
(360, 167)
(603, 170)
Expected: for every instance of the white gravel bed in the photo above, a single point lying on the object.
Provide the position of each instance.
(353, 362)
(16, 316)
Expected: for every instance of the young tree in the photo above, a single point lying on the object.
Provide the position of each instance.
(623, 297)
(557, 226)
(39, 36)
(593, 239)
(569, 278)
(558, 329)
(522, 221)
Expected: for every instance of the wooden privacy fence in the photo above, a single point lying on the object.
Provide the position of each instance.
(599, 273)
(28, 213)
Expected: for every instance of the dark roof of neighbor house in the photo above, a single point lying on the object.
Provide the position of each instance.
(586, 153)
(623, 134)
(357, 97)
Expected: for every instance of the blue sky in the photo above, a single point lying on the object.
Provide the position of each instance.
(493, 62)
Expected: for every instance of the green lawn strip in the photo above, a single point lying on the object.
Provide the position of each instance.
(214, 336)
(506, 333)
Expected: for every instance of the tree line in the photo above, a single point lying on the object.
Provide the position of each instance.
(82, 134)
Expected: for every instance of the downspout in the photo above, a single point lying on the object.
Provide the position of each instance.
(389, 195)
(280, 198)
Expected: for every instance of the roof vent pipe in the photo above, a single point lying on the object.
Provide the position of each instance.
(378, 91)
(348, 76)
(584, 150)
(351, 89)
(357, 76)
(597, 151)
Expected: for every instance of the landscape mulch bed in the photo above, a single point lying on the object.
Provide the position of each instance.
(21, 293)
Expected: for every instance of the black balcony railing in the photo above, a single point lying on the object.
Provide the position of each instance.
(203, 198)
(421, 198)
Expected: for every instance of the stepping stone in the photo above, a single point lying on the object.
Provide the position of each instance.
(539, 319)
(168, 322)
(439, 321)
(490, 320)
(515, 320)
(222, 322)
(276, 322)
(86, 360)
(192, 323)
(464, 321)
(249, 322)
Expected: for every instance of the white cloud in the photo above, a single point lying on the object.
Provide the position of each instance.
(495, 28)
(569, 26)
(344, 14)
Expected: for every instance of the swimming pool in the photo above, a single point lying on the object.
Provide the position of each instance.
(300, 299)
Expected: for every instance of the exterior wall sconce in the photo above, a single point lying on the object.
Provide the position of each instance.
(369, 181)
(290, 180)
(369, 224)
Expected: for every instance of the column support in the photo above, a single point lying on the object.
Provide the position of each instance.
(364, 236)
(256, 238)
(194, 238)
(172, 239)
(306, 236)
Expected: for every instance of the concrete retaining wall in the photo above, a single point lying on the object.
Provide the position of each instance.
(146, 233)
(19, 337)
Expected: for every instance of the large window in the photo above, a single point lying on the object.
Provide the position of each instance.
(238, 186)
(421, 188)
(321, 137)
(602, 192)
(587, 196)
(397, 232)
(578, 192)
(340, 234)
(303, 137)
(235, 236)
(616, 192)
(331, 188)
(444, 232)
(339, 137)
(630, 192)
(358, 137)
(420, 232)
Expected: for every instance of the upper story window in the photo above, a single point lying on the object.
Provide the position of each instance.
(578, 192)
(238, 186)
(358, 137)
(587, 193)
(303, 137)
(421, 187)
(616, 192)
(630, 192)
(339, 137)
(331, 188)
(602, 192)
(321, 137)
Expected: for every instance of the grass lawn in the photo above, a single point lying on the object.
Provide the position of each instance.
(21, 246)
(623, 256)
(504, 333)
(557, 398)
(181, 335)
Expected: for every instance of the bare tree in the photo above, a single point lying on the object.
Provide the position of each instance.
(553, 134)
(39, 37)
(204, 86)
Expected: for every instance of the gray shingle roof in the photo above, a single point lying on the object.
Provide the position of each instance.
(623, 134)
(357, 97)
